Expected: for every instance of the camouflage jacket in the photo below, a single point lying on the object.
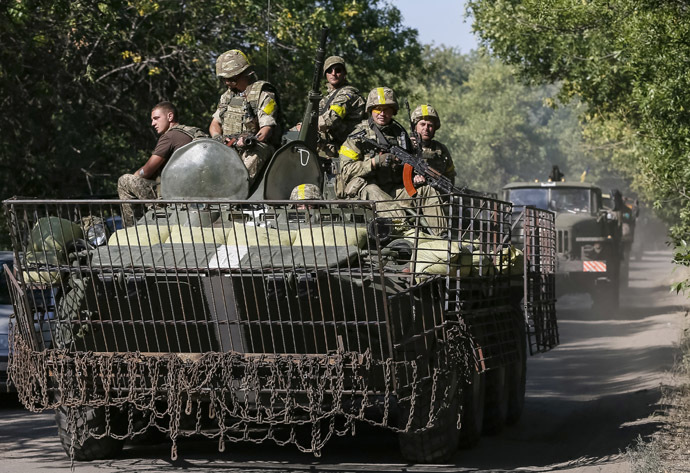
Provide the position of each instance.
(339, 113)
(249, 111)
(191, 131)
(355, 155)
(438, 157)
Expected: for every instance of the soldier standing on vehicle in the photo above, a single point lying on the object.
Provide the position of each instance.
(340, 111)
(426, 121)
(247, 113)
(142, 183)
(368, 174)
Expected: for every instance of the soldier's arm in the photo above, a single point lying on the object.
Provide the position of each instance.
(267, 113)
(215, 128)
(343, 106)
(353, 163)
(150, 169)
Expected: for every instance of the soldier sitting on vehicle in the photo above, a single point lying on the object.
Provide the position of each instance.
(366, 173)
(426, 121)
(340, 111)
(247, 114)
(142, 183)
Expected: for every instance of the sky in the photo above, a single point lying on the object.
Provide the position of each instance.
(438, 22)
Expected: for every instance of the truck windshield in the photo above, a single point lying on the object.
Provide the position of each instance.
(563, 199)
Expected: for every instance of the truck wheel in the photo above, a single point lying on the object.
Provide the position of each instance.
(472, 411)
(496, 404)
(438, 443)
(94, 420)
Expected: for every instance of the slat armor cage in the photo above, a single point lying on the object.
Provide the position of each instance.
(255, 321)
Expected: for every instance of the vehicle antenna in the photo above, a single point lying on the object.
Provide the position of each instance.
(268, 40)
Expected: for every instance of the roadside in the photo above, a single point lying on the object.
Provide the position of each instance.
(668, 449)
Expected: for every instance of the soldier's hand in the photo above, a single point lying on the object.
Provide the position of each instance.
(418, 180)
(383, 160)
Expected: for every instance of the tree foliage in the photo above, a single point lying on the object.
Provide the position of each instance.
(627, 59)
(498, 129)
(78, 79)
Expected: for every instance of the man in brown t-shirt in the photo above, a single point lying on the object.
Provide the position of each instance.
(142, 183)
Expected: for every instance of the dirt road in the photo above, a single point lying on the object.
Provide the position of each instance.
(586, 401)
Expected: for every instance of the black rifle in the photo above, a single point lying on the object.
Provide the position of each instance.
(413, 163)
(231, 140)
(413, 131)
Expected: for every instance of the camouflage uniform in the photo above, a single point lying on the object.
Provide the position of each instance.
(434, 153)
(358, 180)
(438, 157)
(133, 187)
(340, 111)
(248, 111)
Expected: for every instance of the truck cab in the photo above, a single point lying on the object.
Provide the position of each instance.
(588, 236)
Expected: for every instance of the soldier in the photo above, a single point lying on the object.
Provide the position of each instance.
(340, 111)
(426, 121)
(368, 174)
(142, 183)
(247, 114)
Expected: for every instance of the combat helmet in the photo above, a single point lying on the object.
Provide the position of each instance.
(426, 112)
(381, 96)
(332, 61)
(306, 192)
(231, 63)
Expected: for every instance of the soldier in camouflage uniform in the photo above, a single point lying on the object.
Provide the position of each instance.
(340, 111)
(368, 174)
(143, 182)
(426, 121)
(249, 108)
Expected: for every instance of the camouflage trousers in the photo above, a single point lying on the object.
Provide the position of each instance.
(132, 187)
(399, 207)
(255, 158)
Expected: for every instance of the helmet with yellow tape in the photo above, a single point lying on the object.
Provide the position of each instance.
(381, 96)
(231, 63)
(426, 112)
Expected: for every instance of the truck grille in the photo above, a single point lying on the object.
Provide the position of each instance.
(562, 241)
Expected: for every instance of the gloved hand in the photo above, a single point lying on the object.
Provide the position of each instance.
(383, 160)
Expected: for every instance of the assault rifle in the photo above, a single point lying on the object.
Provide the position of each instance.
(231, 140)
(415, 164)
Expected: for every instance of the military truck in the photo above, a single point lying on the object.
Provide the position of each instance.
(234, 313)
(588, 237)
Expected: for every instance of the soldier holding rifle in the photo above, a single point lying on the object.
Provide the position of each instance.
(367, 172)
(247, 114)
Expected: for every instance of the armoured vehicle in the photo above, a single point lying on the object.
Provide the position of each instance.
(588, 237)
(237, 314)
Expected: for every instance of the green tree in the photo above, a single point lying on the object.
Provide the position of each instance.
(627, 59)
(78, 79)
(498, 129)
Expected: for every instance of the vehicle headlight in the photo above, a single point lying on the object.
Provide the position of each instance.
(96, 235)
(610, 216)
